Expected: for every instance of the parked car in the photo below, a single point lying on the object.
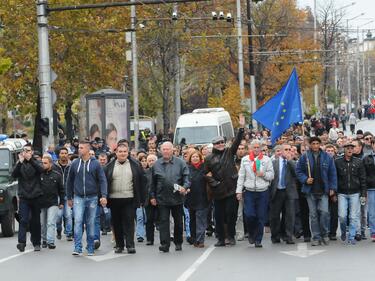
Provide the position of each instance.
(9, 150)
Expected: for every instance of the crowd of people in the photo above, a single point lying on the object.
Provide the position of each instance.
(308, 185)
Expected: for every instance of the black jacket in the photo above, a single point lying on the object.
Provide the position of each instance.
(222, 165)
(138, 180)
(164, 175)
(148, 185)
(351, 176)
(369, 163)
(28, 175)
(197, 198)
(52, 186)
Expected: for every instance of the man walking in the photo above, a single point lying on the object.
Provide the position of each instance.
(126, 181)
(51, 201)
(283, 195)
(27, 171)
(170, 179)
(351, 179)
(222, 177)
(317, 172)
(86, 180)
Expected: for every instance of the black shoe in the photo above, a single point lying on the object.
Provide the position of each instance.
(299, 234)
(119, 250)
(44, 244)
(58, 236)
(37, 248)
(307, 239)
(231, 242)
(164, 248)
(21, 247)
(140, 239)
(131, 250)
(69, 238)
(358, 237)
(51, 246)
(150, 243)
(275, 241)
(178, 247)
(332, 238)
(220, 244)
(363, 236)
(96, 244)
(251, 240)
(190, 240)
(258, 245)
(104, 232)
(290, 242)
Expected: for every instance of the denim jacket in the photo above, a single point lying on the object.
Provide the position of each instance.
(327, 171)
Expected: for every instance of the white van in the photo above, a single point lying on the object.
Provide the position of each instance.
(202, 125)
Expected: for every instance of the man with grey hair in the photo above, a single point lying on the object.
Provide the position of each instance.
(170, 180)
(254, 178)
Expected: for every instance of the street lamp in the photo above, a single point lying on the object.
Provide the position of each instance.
(348, 67)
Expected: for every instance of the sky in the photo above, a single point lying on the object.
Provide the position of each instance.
(360, 6)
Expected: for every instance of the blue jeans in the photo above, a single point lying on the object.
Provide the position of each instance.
(319, 215)
(48, 218)
(141, 221)
(255, 209)
(84, 208)
(371, 209)
(349, 202)
(187, 222)
(67, 214)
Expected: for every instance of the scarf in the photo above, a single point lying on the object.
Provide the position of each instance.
(256, 162)
(197, 165)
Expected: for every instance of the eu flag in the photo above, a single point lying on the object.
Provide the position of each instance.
(282, 110)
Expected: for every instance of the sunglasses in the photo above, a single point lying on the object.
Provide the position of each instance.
(368, 139)
(219, 142)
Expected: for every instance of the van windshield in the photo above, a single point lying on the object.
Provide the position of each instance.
(4, 159)
(196, 135)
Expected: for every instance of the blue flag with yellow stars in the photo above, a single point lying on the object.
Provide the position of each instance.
(282, 110)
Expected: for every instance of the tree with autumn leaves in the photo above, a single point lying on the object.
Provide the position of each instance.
(87, 57)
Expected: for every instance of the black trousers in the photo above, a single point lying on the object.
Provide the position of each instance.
(123, 221)
(277, 204)
(226, 213)
(334, 217)
(304, 212)
(29, 212)
(152, 217)
(164, 224)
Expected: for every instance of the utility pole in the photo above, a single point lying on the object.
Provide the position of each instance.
(177, 75)
(44, 71)
(251, 63)
(135, 75)
(358, 96)
(369, 77)
(316, 98)
(240, 53)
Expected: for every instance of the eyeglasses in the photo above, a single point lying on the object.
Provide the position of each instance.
(219, 142)
(368, 139)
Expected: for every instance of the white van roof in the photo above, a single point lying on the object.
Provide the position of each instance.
(204, 117)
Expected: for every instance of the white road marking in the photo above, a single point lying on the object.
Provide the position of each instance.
(302, 279)
(302, 251)
(108, 256)
(16, 256)
(185, 276)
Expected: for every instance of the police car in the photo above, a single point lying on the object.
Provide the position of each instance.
(9, 150)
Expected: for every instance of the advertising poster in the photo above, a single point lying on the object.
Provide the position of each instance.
(117, 123)
(95, 117)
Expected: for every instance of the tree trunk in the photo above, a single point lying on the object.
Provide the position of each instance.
(166, 121)
(69, 120)
(37, 141)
